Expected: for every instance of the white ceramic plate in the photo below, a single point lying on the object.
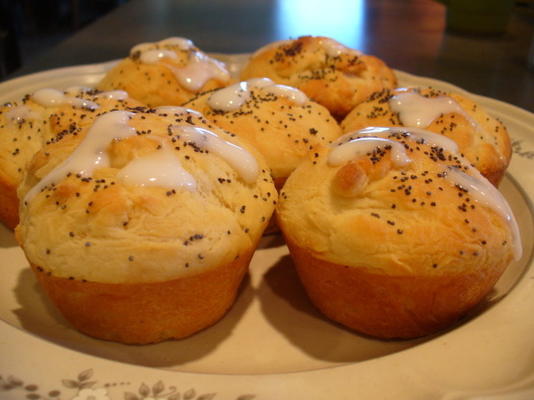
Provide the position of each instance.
(273, 344)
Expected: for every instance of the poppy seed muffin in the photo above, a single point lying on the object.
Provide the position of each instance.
(168, 72)
(481, 138)
(393, 233)
(278, 120)
(141, 228)
(38, 118)
(330, 73)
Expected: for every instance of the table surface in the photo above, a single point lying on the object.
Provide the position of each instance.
(409, 35)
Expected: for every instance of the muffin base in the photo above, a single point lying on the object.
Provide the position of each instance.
(9, 204)
(142, 313)
(390, 307)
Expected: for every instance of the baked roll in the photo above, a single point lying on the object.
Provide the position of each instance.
(44, 116)
(168, 72)
(330, 73)
(280, 121)
(141, 227)
(481, 138)
(393, 233)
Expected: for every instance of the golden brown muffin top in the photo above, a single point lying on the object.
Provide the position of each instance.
(168, 72)
(45, 116)
(330, 73)
(398, 202)
(280, 121)
(143, 195)
(481, 138)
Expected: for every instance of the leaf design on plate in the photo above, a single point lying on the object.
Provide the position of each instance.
(190, 394)
(130, 396)
(144, 390)
(246, 397)
(85, 375)
(158, 388)
(70, 383)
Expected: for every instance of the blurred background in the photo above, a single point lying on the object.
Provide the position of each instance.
(410, 35)
(30, 27)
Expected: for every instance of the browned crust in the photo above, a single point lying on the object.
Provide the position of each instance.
(9, 204)
(390, 306)
(142, 313)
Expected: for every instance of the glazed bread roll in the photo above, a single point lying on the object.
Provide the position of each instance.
(280, 121)
(44, 116)
(141, 227)
(330, 73)
(169, 72)
(393, 234)
(482, 139)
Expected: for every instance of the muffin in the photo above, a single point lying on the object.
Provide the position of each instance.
(482, 139)
(169, 72)
(43, 116)
(330, 73)
(280, 121)
(141, 227)
(393, 233)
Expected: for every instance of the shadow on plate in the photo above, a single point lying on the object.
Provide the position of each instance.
(285, 304)
(7, 238)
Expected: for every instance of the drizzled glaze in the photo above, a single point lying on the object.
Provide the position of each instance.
(159, 168)
(199, 69)
(54, 98)
(357, 144)
(333, 48)
(112, 94)
(91, 152)
(483, 192)
(427, 137)
(233, 97)
(418, 111)
(342, 152)
(19, 114)
(237, 157)
(176, 110)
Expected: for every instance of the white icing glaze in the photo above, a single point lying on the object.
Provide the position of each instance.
(80, 90)
(91, 152)
(160, 168)
(229, 98)
(237, 157)
(20, 114)
(54, 98)
(427, 137)
(179, 42)
(483, 192)
(350, 146)
(233, 97)
(260, 82)
(155, 55)
(199, 69)
(176, 110)
(112, 95)
(333, 48)
(419, 111)
(293, 94)
(342, 152)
